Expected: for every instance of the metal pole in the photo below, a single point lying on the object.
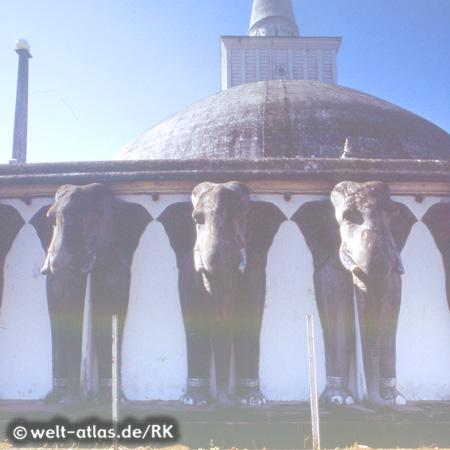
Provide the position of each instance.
(19, 153)
(114, 379)
(313, 382)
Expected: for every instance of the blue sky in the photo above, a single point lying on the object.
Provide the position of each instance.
(105, 71)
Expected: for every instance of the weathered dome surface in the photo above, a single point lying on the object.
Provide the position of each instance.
(292, 118)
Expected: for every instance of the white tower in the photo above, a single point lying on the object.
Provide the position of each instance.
(273, 18)
(274, 49)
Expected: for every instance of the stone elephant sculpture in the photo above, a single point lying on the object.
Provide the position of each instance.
(379, 228)
(221, 242)
(96, 233)
(437, 219)
(373, 231)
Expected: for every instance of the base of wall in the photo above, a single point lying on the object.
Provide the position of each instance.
(280, 425)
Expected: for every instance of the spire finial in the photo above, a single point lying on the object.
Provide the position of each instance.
(273, 18)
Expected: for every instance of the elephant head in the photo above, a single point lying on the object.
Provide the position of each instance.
(220, 216)
(373, 231)
(364, 212)
(82, 218)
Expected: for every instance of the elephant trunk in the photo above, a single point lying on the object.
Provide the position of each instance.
(220, 268)
(371, 257)
(378, 251)
(378, 308)
(369, 318)
(222, 358)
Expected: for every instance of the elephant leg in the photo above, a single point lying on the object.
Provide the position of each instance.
(388, 381)
(370, 314)
(110, 295)
(197, 318)
(247, 329)
(334, 296)
(59, 353)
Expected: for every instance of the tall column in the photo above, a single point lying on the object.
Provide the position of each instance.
(19, 153)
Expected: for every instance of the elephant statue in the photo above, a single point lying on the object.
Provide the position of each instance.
(11, 223)
(373, 231)
(437, 219)
(381, 226)
(96, 233)
(221, 242)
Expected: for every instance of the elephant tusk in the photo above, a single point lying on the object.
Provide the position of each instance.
(347, 261)
(89, 264)
(243, 260)
(352, 267)
(46, 269)
(206, 283)
(399, 267)
(198, 262)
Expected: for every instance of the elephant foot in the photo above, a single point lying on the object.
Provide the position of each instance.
(385, 394)
(377, 401)
(197, 392)
(248, 392)
(56, 395)
(336, 392)
(337, 396)
(389, 391)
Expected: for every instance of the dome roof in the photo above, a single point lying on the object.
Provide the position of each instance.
(291, 118)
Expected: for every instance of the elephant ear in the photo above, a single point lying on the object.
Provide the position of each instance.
(317, 222)
(130, 221)
(401, 224)
(43, 226)
(179, 225)
(264, 219)
(437, 219)
(10, 224)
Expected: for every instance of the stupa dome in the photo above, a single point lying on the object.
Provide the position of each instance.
(291, 118)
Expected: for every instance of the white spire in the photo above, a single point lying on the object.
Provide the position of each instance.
(273, 18)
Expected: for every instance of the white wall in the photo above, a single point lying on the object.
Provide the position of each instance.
(154, 355)
(423, 337)
(25, 339)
